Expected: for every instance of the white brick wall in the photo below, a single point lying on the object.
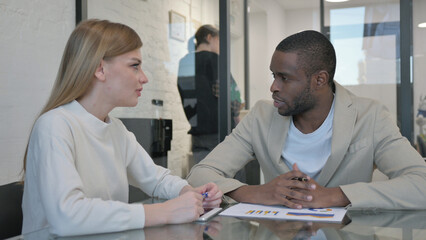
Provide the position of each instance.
(32, 37)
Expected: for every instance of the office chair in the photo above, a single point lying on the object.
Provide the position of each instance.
(11, 211)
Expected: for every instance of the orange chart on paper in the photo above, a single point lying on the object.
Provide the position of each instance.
(257, 212)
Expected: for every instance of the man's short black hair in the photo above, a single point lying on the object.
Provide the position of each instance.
(315, 52)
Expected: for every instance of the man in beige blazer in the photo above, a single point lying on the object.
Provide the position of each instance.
(362, 136)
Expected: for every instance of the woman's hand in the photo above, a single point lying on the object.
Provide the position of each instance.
(185, 208)
(212, 197)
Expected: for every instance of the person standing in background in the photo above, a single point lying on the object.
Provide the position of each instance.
(198, 86)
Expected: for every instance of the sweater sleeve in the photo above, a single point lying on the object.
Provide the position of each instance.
(68, 209)
(143, 173)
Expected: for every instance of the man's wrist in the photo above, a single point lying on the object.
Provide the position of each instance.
(339, 198)
(244, 193)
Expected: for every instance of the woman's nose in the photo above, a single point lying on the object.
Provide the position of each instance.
(143, 79)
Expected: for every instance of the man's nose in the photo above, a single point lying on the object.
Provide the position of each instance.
(273, 87)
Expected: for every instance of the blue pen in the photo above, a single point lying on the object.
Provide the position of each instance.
(205, 195)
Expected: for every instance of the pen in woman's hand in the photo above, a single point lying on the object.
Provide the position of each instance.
(205, 195)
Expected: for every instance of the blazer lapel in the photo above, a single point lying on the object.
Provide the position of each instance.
(277, 136)
(343, 125)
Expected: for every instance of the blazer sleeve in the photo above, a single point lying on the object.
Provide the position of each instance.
(396, 158)
(227, 158)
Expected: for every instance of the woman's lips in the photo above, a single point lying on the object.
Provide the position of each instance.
(139, 91)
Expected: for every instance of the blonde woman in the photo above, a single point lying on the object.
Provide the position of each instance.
(79, 160)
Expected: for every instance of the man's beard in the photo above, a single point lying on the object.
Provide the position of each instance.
(304, 102)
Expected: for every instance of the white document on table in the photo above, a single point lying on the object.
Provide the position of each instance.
(283, 213)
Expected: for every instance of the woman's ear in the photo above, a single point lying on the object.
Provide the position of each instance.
(100, 73)
(209, 38)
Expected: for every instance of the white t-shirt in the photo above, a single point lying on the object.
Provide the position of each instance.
(310, 151)
(77, 175)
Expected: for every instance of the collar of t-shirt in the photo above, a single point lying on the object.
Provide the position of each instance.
(310, 151)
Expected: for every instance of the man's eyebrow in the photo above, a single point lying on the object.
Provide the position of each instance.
(270, 69)
(280, 73)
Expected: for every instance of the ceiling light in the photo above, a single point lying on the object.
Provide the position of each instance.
(422, 25)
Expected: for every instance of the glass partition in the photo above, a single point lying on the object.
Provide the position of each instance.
(366, 37)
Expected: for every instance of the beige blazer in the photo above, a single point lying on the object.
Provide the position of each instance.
(365, 136)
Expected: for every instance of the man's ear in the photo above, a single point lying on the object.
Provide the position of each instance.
(100, 73)
(322, 78)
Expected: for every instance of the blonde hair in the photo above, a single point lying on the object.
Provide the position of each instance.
(90, 42)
